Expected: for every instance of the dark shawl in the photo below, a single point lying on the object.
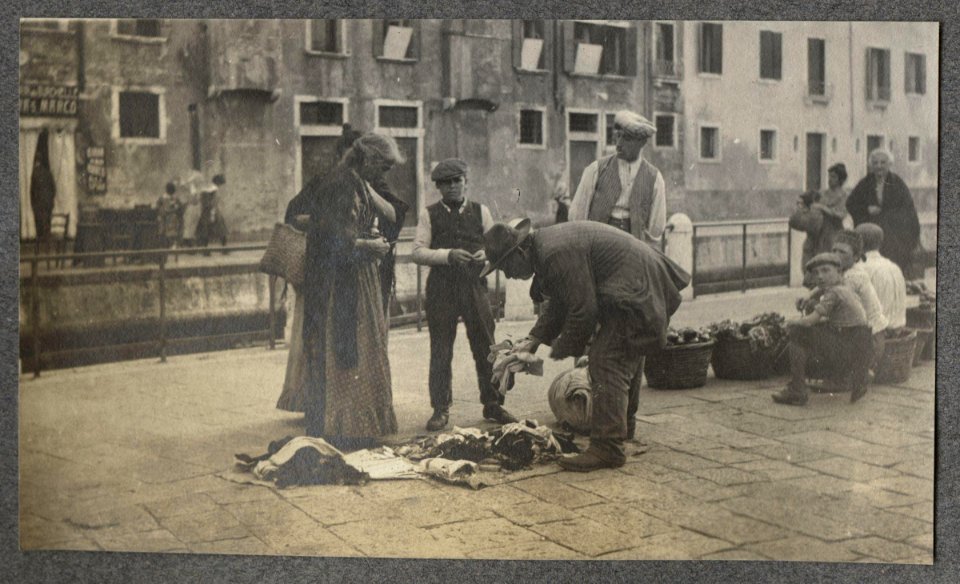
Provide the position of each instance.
(898, 216)
(390, 230)
(332, 260)
(593, 273)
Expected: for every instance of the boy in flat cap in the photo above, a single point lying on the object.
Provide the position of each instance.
(834, 330)
(624, 190)
(450, 240)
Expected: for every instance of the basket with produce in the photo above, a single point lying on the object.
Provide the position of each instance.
(895, 364)
(754, 349)
(682, 363)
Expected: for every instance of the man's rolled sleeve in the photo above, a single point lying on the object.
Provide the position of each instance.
(422, 254)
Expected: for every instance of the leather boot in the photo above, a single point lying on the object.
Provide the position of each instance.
(496, 413)
(439, 420)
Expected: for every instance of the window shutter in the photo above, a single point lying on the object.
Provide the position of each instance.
(718, 49)
(922, 73)
(414, 51)
(377, 38)
(632, 48)
(517, 27)
(702, 47)
(547, 56)
(777, 41)
(870, 80)
(569, 46)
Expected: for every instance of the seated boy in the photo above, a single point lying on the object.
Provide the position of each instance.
(834, 330)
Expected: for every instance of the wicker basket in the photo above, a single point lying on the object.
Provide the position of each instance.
(924, 337)
(930, 350)
(733, 359)
(679, 366)
(897, 359)
(921, 319)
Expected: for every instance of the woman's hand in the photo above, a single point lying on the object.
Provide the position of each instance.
(378, 247)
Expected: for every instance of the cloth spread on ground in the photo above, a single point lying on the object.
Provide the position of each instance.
(507, 364)
(455, 457)
(570, 399)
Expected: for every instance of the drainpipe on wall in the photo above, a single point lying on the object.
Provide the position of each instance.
(555, 70)
(850, 69)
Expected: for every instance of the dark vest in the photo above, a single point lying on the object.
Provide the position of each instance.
(453, 229)
(608, 191)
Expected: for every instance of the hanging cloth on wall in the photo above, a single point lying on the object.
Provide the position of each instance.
(28, 150)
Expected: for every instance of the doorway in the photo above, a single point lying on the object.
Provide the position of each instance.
(815, 148)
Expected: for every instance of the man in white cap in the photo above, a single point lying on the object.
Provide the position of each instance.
(624, 190)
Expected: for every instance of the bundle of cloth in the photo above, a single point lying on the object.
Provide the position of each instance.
(506, 364)
(570, 398)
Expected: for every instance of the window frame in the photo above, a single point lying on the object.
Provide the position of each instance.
(518, 39)
(919, 159)
(630, 67)
(776, 145)
(36, 24)
(778, 66)
(419, 133)
(313, 130)
(675, 145)
(342, 30)
(873, 89)
(380, 27)
(709, 125)
(543, 127)
(700, 71)
(146, 40)
(162, 120)
(655, 37)
(923, 73)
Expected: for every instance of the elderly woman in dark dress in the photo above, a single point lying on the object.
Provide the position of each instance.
(349, 399)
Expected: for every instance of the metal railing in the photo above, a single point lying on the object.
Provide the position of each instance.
(744, 232)
(160, 257)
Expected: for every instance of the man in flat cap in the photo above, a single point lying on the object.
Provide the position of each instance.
(624, 190)
(886, 276)
(833, 330)
(450, 240)
(601, 283)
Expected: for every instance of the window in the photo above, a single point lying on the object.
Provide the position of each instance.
(601, 49)
(664, 56)
(395, 116)
(771, 54)
(711, 48)
(915, 71)
(531, 127)
(913, 149)
(816, 67)
(43, 24)
(140, 27)
(139, 116)
(326, 36)
(321, 113)
(666, 130)
(531, 42)
(709, 143)
(610, 141)
(768, 145)
(397, 40)
(585, 123)
(878, 74)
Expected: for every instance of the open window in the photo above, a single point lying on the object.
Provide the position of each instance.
(771, 55)
(665, 63)
(915, 73)
(139, 116)
(532, 130)
(396, 40)
(144, 28)
(600, 48)
(710, 48)
(666, 136)
(326, 37)
(878, 75)
(530, 45)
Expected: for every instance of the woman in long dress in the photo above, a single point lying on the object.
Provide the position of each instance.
(349, 399)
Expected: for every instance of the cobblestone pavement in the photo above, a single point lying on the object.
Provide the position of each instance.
(127, 456)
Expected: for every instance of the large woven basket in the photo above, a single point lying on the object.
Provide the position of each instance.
(924, 338)
(897, 360)
(733, 359)
(918, 318)
(285, 254)
(679, 366)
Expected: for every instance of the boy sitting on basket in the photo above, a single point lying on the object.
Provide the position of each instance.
(834, 331)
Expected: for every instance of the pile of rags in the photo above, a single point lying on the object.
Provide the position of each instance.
(506, 364)
(301, 461)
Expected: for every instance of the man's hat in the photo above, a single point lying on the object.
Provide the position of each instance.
(500, 241)
(820, 259)
(633, 124)
(449, 168)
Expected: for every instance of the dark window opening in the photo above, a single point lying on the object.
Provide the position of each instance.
(144, 27)
(709, 143)
(611, 139)
(771, 54)
(325, 36)
(711, 48)
(878, 74)
(816, 67)
(665, 129)
(582, 123)
(392, 116)
(913, 149)
(614, 50)
(321, 113)
(531, 127)
(665, 63)
(139, 115)
(915, 69)
(768, 145)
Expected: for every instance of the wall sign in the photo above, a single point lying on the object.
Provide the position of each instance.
(48, 100)
(95, 170)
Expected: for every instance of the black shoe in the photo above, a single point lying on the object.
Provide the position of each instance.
(858, 392)
(496, 413)
(588, 461)
(790, 398)
(438, 421)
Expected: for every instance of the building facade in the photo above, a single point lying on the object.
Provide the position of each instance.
(748, 114)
